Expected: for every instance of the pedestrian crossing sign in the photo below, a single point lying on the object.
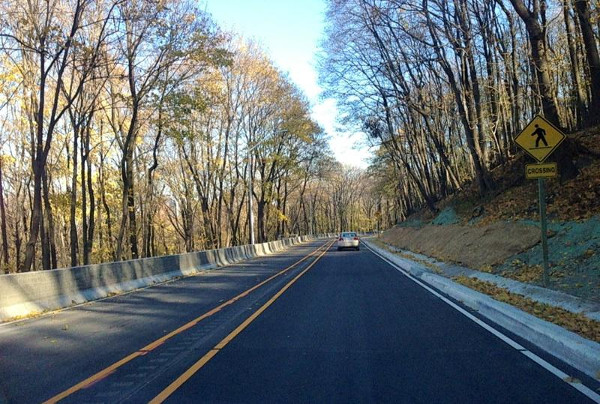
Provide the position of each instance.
(540, 138)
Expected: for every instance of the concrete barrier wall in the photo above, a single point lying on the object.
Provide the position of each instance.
(34, 292)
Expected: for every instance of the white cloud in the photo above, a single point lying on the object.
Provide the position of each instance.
(348, 148)
(290, 32)
(324, 112)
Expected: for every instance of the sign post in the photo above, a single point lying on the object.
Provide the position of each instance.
(539, 139)
(544, 225)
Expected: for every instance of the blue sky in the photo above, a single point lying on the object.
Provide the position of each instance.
(290, 31)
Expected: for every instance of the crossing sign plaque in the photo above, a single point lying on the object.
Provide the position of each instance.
(546, 170)
(540, 138)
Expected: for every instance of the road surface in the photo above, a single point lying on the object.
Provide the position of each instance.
(311, 324)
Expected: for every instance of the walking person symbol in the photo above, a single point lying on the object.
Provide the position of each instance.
(541, 135)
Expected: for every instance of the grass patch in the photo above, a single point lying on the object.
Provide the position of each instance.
(574, 322)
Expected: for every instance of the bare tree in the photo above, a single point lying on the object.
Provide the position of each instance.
(535, 21)
(593, 59)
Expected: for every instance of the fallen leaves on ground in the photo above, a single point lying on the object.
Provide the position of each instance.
(487, 268)
(525, 273)
(574, 322)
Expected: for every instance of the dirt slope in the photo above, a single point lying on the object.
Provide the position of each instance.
(500, 233)
(474, 247)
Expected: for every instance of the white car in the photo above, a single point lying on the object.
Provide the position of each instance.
(348, 240)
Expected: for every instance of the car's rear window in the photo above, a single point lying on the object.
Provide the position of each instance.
(348, 234)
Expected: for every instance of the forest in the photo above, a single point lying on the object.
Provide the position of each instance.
(442, 87)
(139, 128)
(134, 129)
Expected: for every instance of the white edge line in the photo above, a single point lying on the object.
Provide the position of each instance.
(546, 365)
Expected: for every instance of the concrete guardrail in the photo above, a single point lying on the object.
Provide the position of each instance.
(24, 294)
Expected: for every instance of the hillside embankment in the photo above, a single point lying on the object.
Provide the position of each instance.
(500, 232)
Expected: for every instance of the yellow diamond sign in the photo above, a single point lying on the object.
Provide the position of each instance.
(540, 138)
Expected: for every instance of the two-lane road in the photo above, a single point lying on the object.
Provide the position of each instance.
(354, 329)
(338, 326)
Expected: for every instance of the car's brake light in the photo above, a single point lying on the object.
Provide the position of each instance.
(355, 238)
(341, 239)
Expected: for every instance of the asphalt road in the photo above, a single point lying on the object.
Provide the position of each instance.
(347, 327)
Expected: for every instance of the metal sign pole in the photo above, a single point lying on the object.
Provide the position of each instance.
(539, 139)
(542, 194)
(250, 197)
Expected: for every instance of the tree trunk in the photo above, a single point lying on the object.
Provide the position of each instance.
(50, 238)
(577, 93)
(210, 241)
(539, 58)
(89, 239)
(128, 197)
(284, 220)
(19, 240)
(3, 225)
(467, 116)
(133, 242)
(149, 222)
(107, 211)
(74, 242)
(261, 222)
(38, 166)
(84, 201)
(593, 59)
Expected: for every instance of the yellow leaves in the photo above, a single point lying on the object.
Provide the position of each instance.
(487, 268)
(281, 217)
(7, 159)
(524, 273)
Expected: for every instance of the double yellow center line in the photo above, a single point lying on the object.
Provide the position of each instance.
(215, 350)
(153, 345)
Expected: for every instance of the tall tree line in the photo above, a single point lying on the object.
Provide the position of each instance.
(134, 128)
(443, 86)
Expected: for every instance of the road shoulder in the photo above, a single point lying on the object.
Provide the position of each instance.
(581, 353)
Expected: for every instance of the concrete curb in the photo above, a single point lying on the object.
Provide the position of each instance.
(573, 349)
(31, 293)
(542, 295)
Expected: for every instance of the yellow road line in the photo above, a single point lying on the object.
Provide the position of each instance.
(206, 358)
(153, 345)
